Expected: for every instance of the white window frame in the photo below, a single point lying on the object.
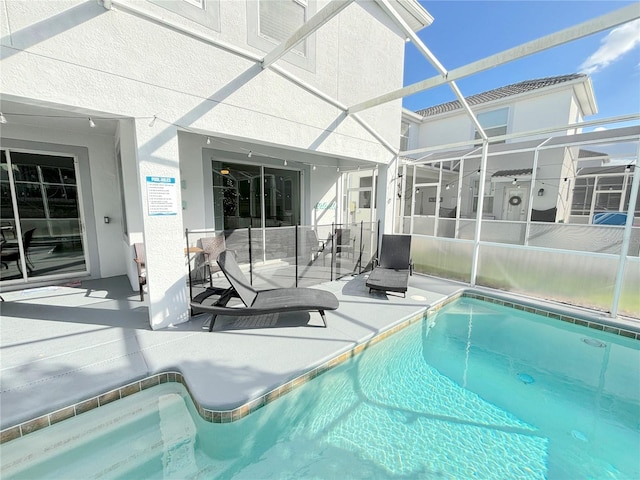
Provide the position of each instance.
(405, 128)
(493, 130)
(255, 38)
(204, 12)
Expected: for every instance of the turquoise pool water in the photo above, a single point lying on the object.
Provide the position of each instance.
(477, 391)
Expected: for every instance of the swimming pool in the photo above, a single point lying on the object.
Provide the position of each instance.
(476, 391)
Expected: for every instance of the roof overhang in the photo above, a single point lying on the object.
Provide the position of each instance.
(586, 97)
(411, 116)
(413, 13)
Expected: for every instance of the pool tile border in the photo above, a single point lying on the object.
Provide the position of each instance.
(550, 313)
(228, 416)
(212, 416)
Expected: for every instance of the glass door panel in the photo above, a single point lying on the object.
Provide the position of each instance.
(360, 197)
(281, 197)
(41, 211)
(236, 195)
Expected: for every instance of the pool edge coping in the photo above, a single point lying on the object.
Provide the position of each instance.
(231, 415)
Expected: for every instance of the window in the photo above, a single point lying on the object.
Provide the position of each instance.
(364, 198)
(241, 193)
(494, 123)
(404, 136)
(489, 192)
(40, 195)
(204, 12)
(279, 19)
(270, 22)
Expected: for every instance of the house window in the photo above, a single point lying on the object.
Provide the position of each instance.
(270, 22)
(489, 193)
(404, 136)
(279, 19)
(204, 12)
(494, 123)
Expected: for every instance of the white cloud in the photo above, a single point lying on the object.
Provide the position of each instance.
(618, 41)
(599, 129)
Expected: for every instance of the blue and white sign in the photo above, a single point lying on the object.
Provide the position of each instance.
(162, 196)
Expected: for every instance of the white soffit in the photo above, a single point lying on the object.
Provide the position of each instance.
(413, 13)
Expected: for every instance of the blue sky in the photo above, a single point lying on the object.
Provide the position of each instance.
(466, 31)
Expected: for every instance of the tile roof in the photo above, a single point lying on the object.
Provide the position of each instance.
(498, 93)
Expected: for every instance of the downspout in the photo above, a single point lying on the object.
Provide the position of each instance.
(403, 189)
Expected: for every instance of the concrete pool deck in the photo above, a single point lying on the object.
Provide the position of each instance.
(62, 345)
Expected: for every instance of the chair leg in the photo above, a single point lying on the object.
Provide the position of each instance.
(141, 292)
(324, 319)
(213, 320)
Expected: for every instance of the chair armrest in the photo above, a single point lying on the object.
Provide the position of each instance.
(140, 265)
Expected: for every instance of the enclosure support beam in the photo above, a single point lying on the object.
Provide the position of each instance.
(389, 10)
(476, 237)
(626, 239)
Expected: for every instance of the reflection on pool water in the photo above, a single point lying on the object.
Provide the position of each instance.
(477, 391)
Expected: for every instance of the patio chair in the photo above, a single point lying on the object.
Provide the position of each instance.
(12, 254)
(314, 245)
(142, 268)
(277, 300)
(392, 269)
(211, 248)
(344, 242)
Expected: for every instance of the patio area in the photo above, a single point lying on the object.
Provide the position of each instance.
(61, 345)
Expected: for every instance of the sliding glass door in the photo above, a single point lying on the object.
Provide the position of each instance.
(40, 216)
(251, 195)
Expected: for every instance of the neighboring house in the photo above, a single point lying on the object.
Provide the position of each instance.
(130, 120)
(452, 191)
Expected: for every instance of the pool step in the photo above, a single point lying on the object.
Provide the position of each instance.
(162, 430)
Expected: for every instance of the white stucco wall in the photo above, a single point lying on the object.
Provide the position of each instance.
(542, 111)
(115, 62)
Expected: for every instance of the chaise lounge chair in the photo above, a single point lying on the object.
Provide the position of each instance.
(277, 300)
(391, 271)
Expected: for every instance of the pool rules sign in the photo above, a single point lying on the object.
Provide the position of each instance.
(162, 196)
